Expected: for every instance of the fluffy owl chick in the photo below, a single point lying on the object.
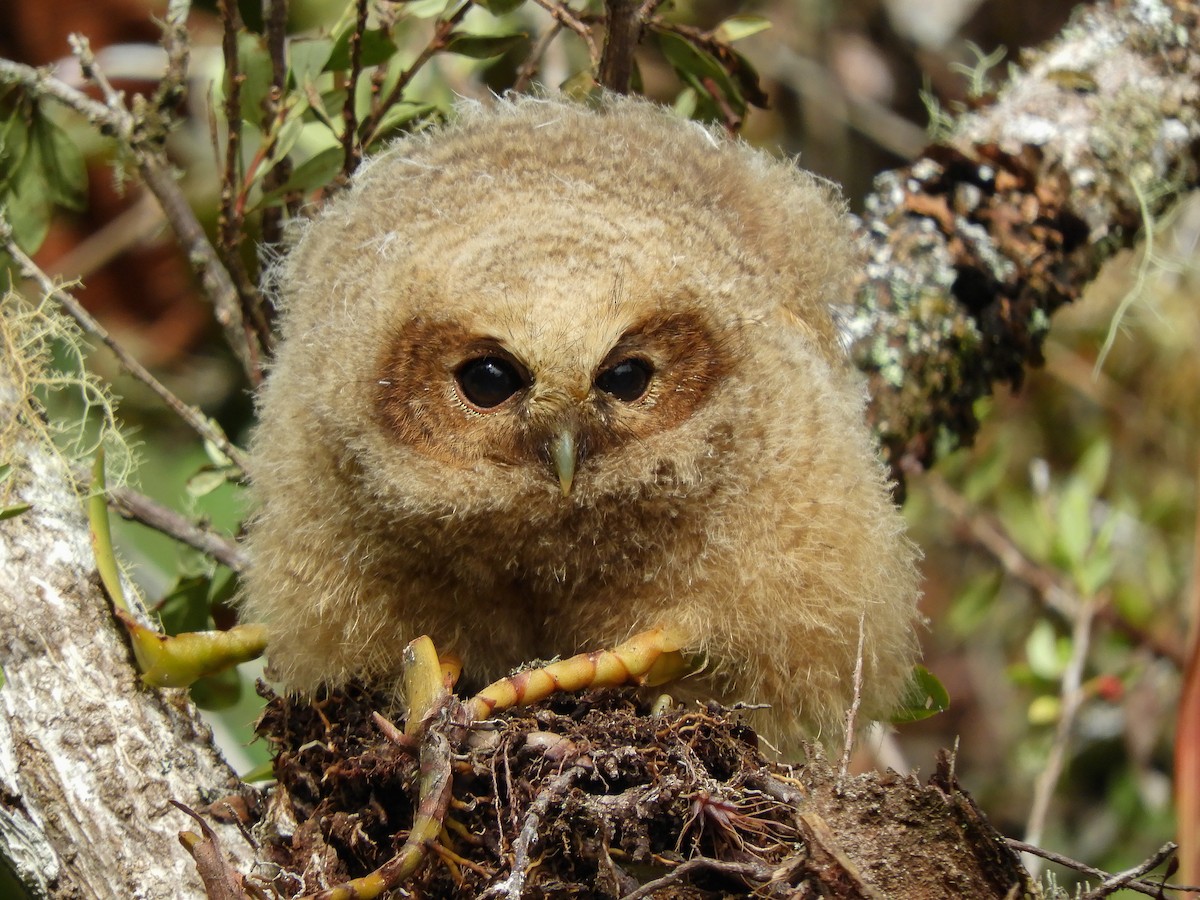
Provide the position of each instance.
(550, 376)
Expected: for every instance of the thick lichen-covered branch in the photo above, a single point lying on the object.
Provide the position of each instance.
(972, 247)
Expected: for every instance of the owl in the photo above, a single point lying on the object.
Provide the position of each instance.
(552, 375)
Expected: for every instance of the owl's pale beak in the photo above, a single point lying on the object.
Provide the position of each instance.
(562, 453)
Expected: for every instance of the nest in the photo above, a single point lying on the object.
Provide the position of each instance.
(594, 796)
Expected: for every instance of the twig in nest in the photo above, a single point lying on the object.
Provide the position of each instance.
(751, 873)
(437, 782)
(852, 713)
(512, 886)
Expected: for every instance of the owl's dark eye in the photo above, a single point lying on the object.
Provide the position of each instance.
(626, 380)
(488, 380)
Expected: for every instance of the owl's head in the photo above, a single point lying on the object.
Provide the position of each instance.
(486, 320)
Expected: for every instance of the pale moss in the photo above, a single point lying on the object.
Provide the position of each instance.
(42, 357)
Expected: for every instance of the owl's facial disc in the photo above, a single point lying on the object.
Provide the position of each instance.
(461, 398)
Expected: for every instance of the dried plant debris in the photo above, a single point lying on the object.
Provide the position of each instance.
(592, 796)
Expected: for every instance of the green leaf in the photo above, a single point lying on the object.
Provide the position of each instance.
(1044, 710)
(923, 697)
(26, 205)
(427, 9)
(1074, 522)
(400, 114)
(11, 512)
(974, 601)
(309, 175)
(499, 7)
(185, 607)
(1046, 653)
(697, 66)
(737, 27)
(1093, 465)
(308, 59)
(219, 691)
(209, 478)
(376, 48)
(62, 163)
(484, 46)
(254, 63)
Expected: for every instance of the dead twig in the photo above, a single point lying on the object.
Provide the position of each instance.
(564, 16)
(750, 873)
(351, 146)
(513, 886)
(1135, 884)
(130, 504)
(1072, 695)
(852, 713)
(989, 533)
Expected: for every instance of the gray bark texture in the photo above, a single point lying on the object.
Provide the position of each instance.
(88, 757)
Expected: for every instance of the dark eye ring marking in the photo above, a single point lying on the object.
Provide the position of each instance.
(487, 381)
(627, 380)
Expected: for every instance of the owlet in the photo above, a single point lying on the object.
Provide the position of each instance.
(550, 376)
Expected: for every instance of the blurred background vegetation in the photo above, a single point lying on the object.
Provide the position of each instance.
(1058, 549)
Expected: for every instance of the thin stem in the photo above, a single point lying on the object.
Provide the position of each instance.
(441, 34)
(529, 67)
(1072, 696)
(1142, 887)
(565, 16)
(351, 147)
(130, 504)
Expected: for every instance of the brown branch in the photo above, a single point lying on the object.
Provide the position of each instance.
(275, 15)
(351, 146)
(564, 16)
(231, 219)
(624, 32)
(130, 504)
(748, 872)
(173, 86)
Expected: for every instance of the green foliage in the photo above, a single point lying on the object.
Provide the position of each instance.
(924, 696)
(41, 167)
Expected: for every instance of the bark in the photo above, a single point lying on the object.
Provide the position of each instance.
(974, 246)
(88, 757)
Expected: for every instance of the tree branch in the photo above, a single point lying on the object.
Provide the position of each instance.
(971, 248)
